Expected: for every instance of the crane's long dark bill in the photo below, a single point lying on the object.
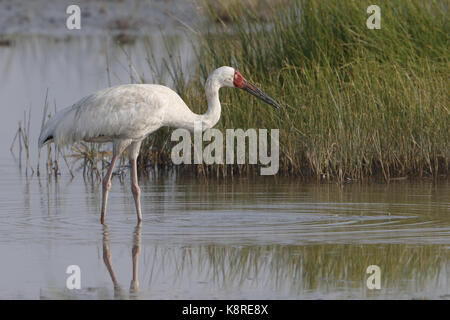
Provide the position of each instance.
(250, 88)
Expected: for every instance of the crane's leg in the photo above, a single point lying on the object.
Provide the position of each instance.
(135, 189)
(107, 186)
(133, 151)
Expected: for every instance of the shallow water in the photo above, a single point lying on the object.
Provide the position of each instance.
(265, 238)
(241, 239)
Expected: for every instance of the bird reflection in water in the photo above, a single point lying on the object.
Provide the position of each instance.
(134, 286)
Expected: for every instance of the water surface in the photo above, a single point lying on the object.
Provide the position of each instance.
(242, 239)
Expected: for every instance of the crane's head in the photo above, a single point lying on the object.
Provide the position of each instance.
(232, 78)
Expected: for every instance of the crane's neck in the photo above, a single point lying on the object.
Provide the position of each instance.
(212, 115)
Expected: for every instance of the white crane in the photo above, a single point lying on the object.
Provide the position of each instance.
(126, 114)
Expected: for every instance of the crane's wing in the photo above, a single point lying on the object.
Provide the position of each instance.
(121, 112)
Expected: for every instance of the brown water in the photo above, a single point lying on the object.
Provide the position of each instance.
(271, 238)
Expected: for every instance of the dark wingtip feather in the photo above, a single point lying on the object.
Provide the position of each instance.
(47, 139)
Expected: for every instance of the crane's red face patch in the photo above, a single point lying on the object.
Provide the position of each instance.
(238, 80)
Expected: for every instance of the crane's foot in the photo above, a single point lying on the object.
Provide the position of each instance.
(134, 286)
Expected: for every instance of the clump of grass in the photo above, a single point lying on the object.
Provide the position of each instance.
(357, 102)
(93, 162)
(89, 155)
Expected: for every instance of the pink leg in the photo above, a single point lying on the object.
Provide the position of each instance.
(135, 189)
(107, 187)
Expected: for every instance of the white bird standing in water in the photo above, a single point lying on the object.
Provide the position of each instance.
(126, 114)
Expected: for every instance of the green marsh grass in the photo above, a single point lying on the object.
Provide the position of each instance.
(357, 103)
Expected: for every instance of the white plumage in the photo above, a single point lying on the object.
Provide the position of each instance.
(126, 114)
(123, 112)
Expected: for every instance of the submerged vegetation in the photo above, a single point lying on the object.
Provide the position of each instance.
(357, 102)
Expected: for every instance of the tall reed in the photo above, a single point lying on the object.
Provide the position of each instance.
(357, 102)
